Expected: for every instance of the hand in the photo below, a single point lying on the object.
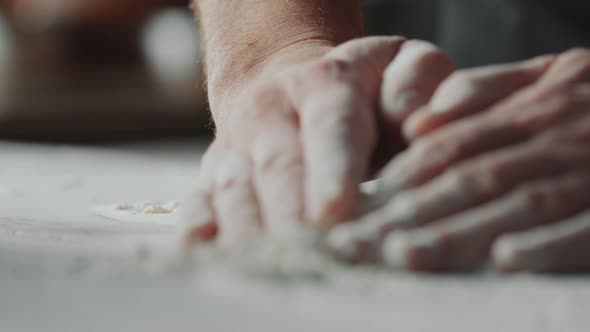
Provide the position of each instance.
(294, 145)
(496, 181)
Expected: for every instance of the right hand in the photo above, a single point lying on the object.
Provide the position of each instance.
(508, 178)
(293, 146)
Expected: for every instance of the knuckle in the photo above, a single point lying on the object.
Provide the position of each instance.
(534, 197)
(562, 101)
(442, 149)
(435, 59)
(330, 69)
(545, 110)
(576, 55)
(461, 80)
(575, 65)
(490, 177)
(549, 201)
(419, 150)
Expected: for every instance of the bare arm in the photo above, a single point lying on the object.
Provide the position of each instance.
(242, 38)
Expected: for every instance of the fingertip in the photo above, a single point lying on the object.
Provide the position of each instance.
(199, 234)
(341, 242)
(385, 47)
(505, 257)
(413, 250)
(412, 77)
(332, 191)
(348, 243)
(395, 250)
(332, 208)
(522, 252)
(196, 217)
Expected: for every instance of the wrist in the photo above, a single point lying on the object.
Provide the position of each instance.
(227, 78)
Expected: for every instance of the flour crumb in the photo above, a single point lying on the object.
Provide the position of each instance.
(150, 211)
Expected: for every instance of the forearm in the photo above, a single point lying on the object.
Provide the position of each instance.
(243, 37)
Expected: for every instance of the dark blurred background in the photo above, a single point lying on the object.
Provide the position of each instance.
(99, 69)
(83, 70)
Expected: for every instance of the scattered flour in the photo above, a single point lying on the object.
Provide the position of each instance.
(298, 254)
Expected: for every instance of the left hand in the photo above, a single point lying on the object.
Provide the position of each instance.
(497, 181)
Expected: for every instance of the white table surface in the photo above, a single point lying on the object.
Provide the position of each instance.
(53, 254)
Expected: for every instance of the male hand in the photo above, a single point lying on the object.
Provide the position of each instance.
(512, 180)
(294, 145)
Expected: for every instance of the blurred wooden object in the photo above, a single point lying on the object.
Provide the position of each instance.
(89, 74)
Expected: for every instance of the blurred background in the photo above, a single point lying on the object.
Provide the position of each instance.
(96, 70)
(84, 70)
(99, 69)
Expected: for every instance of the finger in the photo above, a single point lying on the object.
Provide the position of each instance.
(337, 123)
(234, 198)
(570, 67)
(337, 148)
(499, 127)
(411, 79)
(278, 163)
(576, 129)
(562, 247)
(197, 218)
(196, 212)
(373, 54)
(471, 91)
(466, 186)
(464, 240)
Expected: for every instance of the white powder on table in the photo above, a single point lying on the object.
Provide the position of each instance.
(149, 212)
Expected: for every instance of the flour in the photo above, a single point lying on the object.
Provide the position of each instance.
(297, 255)
(150, 211)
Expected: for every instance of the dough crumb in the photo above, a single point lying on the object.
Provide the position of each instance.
(150, 211)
